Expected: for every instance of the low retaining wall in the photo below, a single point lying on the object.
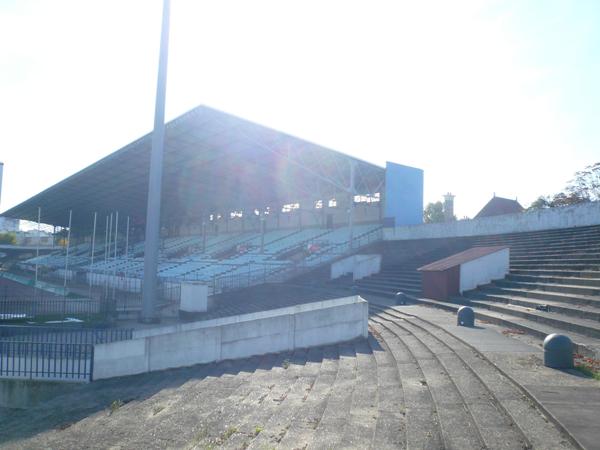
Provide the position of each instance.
(310, 324)
(360, 266)
(545, 219)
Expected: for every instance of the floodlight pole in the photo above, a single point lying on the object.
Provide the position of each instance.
(37, 245)
(93, 250)
(351, 206)
(155, 179)
(68, 246)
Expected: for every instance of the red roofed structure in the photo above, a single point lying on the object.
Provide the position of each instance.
(498, 206)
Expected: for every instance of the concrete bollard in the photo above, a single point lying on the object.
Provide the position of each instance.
(465, 317)
(400, 298)
(558, 351)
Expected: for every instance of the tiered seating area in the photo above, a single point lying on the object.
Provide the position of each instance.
(210, 258)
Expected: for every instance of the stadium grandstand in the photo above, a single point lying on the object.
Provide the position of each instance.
(242, 205)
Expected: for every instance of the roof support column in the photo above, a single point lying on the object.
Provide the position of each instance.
(150, 285)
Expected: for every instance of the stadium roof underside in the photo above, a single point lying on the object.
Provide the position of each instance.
(213, 163)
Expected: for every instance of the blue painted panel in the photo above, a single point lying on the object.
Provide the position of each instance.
(403, 194)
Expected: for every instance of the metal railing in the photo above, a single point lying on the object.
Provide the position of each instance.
(31, 307)
(259, 273)
(64, 334)
(53, 353)
(46, 360)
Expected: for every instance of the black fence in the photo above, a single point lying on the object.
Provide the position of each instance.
(64, 335)
(46, 361)
(53, 353)
(30, 307)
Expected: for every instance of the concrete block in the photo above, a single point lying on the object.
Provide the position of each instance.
(194, 297)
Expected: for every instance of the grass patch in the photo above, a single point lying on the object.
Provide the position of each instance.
(588, 372)
(228, 433)
(587, 366)
(257, 430)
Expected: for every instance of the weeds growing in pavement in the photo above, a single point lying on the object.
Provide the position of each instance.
(115, 405)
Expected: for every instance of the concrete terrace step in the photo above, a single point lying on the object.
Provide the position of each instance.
(553, 260)
(581, 326)
(423, 428)
(554, 266)
(574, 281)
(591, 312)
(405, 272)
(542, 295)
(532, 242)
(453, 372)
(388, 285)
(416, 276)
(556, 247)
(537, 236)
(555, 255)
(545, 245)
(592, 274)
(550, 287)
(584, 249)
(387, 292)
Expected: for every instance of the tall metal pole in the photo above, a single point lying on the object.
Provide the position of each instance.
(37, 245)
(127, 248)
(105, 257)
(351, 206)
(149, 289)
(115, 255)
(93, 249)
(116, 234)
(68, 245)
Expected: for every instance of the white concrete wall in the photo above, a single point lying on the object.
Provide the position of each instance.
(483, 270)
(545, 219)
(311, 324)
(359, 266)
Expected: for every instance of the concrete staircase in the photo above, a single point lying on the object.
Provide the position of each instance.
(399, 277)
(554, 280)
(404, 387)
(553, 284)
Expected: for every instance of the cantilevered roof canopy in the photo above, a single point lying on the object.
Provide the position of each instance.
(214, 163)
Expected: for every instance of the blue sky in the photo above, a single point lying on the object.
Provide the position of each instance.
(487, 97)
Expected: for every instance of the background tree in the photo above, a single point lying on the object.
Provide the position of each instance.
(584, 187)
(434, 213)
(586, 184)
(8, 238)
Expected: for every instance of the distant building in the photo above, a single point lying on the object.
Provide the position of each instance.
(449, 207)
(498, 206)
(31, 238)
(8, 225)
